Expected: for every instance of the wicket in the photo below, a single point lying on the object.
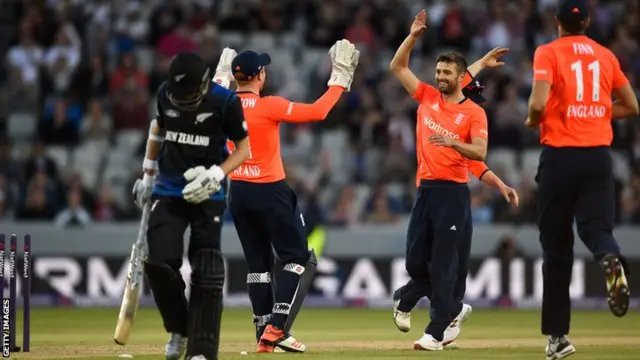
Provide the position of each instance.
(12, 301)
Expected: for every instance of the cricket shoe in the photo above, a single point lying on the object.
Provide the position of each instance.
(618, 293)
(265, 348)
(558, 348)
(400, 318)
(428, 343)
(277, 337)
(175, 347)
(452, 331)
(197, 357)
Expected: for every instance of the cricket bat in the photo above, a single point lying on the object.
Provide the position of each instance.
(133, 286)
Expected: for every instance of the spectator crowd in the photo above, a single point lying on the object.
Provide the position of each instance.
(79, 80)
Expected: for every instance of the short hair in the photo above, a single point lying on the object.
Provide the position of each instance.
(574, 26)
(454, 57)
(242, 79)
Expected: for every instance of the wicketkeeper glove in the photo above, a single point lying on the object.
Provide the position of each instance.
(203, 183)
(344, 60)
(223, 75)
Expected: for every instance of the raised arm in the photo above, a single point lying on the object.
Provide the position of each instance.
(489, 60)
(344, 60)
(399, 65)
(282, 109)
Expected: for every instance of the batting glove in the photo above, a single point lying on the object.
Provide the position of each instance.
(142, 189)
(344, 60)
(223, 75)
(202, 183)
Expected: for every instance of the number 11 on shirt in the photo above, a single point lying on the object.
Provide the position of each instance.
(594, 68)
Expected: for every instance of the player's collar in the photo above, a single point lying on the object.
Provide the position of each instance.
(458, 103)
(247, 92)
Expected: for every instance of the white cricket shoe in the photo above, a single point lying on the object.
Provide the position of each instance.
(428, 343)
(452, 332)
(175, 347)
(197, 357)
(559, 348)
(400, 318)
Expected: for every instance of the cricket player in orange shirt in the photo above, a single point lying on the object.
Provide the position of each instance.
(451, 141)
(263, 206)
(571, 102)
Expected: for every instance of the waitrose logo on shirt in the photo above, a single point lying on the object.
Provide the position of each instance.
(435, 127)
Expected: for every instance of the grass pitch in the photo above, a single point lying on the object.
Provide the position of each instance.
(356, 334)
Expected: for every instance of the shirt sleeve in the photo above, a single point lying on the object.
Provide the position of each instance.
(467, 80)
(281, 109)
(478, 169)
(619, 78)
(479, 125)
(235, 126)
(543, 65)
(424, 92)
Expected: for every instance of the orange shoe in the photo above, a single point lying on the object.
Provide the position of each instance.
(277, 337)
(264, 348)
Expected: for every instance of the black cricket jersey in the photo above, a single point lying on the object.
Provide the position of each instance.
(196, 137)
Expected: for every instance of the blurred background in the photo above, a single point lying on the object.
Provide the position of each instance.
(79, 81)
(77, 90)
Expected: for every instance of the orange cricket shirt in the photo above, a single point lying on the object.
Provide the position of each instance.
(462, 121)
(582, 75)
(263, 116)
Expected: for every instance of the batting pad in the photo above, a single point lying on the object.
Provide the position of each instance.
(205, 304)
(288, 282)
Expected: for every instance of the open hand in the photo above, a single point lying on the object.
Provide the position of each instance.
(492, 58)
(419, 23)
(441, 140)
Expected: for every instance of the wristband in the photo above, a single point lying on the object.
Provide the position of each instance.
(217, 173)
(149, 164)
(155, 137)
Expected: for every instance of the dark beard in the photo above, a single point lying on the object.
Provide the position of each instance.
(448, 90)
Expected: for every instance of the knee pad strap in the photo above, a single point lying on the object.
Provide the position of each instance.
(259, 278)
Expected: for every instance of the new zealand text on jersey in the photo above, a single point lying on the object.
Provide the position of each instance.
(189, 139)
